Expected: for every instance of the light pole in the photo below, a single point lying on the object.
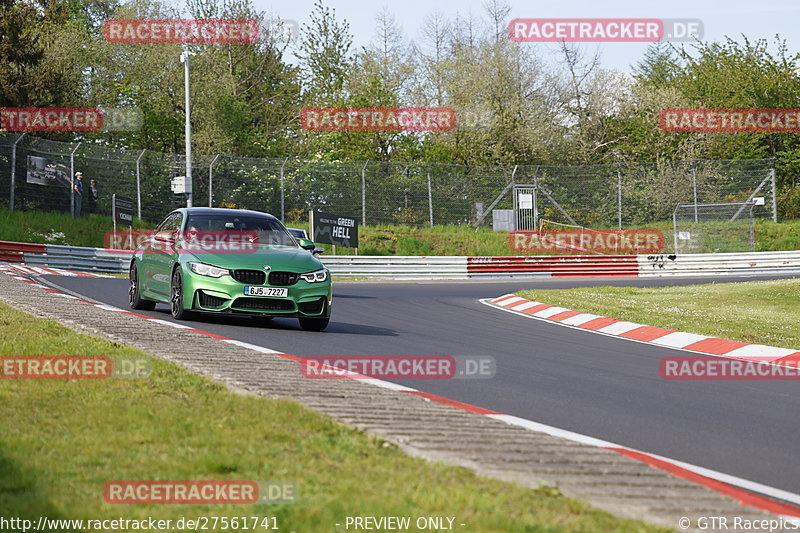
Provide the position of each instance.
(185, 60)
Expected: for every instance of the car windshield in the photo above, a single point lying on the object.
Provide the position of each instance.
(270, 232)
(297, 233)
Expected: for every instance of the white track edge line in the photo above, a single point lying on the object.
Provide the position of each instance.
(487, 302)
(371, 381)
(752, 486)
(586, 439)
(746, 484)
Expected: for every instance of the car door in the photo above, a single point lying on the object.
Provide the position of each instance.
(163, 253)
(146, 260)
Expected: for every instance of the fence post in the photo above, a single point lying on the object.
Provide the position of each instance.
(364, 194)
(14, 171)
(536, 198)
(283, 193)
(514, 200)
(694, 186)
(430, 197)
(72, 180)
(211, 181)
(675, 227)
(619, 196)
(139, 186)
(774, 192)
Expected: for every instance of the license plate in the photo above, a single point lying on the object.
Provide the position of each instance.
(274, 292)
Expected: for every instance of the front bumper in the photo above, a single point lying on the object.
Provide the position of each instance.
(226, 295)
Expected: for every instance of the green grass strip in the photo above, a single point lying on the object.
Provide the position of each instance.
(61, 441)
(382, 239)
(761, 312)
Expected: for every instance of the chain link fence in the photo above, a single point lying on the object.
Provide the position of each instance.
(719, 227)
(36, 174)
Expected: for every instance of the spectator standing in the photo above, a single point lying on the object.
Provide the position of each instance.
(77, 193)
(91, 198)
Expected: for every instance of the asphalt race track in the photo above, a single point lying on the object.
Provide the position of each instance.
(593, 384)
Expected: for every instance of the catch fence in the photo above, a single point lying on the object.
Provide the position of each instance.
(37, 174)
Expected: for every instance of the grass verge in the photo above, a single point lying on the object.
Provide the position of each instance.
(60, 228)
(57, 228)
(762, 312)
(60, 441)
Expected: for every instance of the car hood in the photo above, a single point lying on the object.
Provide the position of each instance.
(278, 258)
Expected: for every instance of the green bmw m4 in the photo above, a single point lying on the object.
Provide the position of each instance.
(230, 261)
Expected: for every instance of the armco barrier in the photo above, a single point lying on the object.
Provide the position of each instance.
(14, 252)
(70, 257)
(100, 260)
(398, 267)
(552, 266)
(720, 264)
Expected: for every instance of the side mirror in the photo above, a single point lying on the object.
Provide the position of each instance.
(306, 244)
(165, 236)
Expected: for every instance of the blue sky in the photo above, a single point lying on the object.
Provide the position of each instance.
(759, 19)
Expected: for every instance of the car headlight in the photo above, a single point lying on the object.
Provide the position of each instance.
(315, 277)
(208, 270)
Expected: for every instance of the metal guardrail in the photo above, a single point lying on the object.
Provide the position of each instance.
(720, 264)
(397, 267)
(552, 266)
(80, 258)
(100, 260)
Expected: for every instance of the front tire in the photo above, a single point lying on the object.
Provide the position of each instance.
(134, 292)
(314, 324)
(176, 297)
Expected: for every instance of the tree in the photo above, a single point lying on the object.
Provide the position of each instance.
(40, 60)
(378, 77)
(250, 98)
(244, 97)
(325, 56)
(501, 85)
(660, 65)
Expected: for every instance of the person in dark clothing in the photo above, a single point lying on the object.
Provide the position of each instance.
(77, 193)
(91, 198)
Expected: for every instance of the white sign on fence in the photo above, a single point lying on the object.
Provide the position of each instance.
(180, 185)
